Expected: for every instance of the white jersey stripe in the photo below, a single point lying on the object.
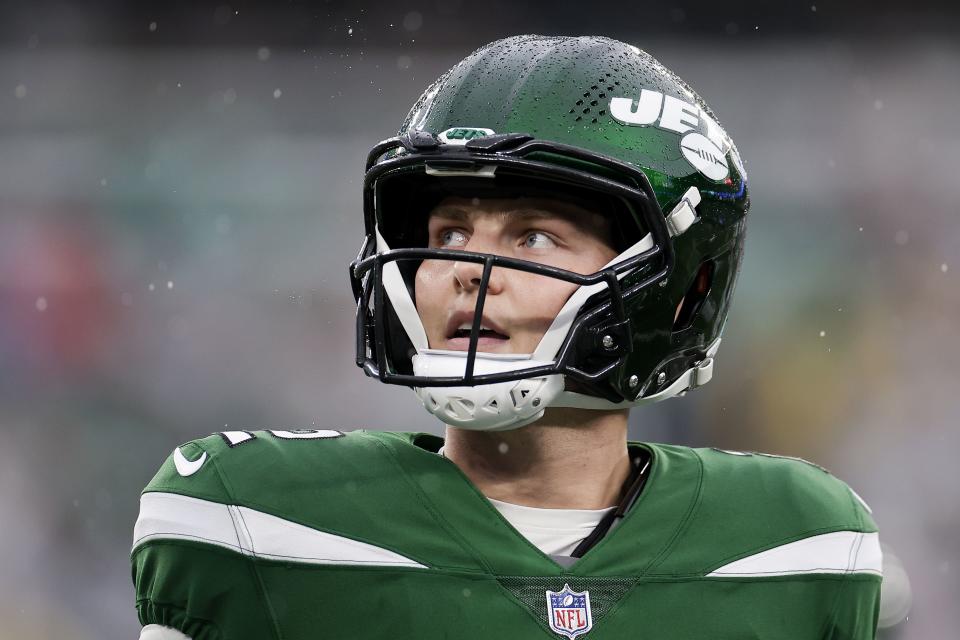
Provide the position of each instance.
(250, 532)
(836, 552)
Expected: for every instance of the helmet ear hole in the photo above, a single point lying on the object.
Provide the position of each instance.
(696, 294)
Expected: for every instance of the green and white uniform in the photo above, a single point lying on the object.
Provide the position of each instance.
(319, 534)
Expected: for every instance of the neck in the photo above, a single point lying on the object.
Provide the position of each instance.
(569, 459)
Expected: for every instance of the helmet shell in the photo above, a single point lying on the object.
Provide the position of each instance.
(613, 100)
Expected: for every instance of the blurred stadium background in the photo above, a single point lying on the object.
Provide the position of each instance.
(180, 196)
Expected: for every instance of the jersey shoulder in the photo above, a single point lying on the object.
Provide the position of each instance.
(789, 489)
(208, 467)
(755, 509)
(277, 470)
(297, 498)
(213, 466)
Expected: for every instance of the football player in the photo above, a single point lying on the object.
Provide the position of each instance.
(552, 238)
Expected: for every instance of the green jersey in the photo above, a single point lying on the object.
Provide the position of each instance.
(296, 535)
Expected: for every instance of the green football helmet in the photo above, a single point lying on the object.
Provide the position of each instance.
(585, 119)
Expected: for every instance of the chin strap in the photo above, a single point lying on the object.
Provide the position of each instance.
(694, 377)
(685, 213)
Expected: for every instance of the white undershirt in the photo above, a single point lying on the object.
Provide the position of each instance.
(553, 531)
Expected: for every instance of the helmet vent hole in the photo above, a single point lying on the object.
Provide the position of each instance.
(459, 408)
(492, 407)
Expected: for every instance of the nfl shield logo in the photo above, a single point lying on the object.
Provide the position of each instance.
(569, 612)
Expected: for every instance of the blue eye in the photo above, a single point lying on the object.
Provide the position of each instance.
(452, 237)
(538, 240)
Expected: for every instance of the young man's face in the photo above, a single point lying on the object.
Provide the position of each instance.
(519, 306)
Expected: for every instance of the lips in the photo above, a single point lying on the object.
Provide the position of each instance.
(458, 328)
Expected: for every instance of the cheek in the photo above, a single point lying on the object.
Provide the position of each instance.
(539, 302)
(427, 289)
(548, 295)
(553, 296)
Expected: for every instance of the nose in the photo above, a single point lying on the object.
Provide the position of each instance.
(468, 275)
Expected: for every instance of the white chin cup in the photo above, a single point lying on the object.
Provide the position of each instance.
(486, 407)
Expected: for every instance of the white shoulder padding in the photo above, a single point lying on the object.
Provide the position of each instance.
(160, 632)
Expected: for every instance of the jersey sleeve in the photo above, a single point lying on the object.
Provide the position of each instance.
(190, 570)
(857, 610)
(858, 603)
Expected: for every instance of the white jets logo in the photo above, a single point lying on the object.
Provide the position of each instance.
(706, 150)
(187, 467)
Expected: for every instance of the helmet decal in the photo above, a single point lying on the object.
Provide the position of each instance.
(703, 154)
(462, 135)
(705, 150)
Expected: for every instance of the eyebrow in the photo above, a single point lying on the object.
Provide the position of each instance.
(454, 212)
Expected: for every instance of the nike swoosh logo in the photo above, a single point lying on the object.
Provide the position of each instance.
(187, 467)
